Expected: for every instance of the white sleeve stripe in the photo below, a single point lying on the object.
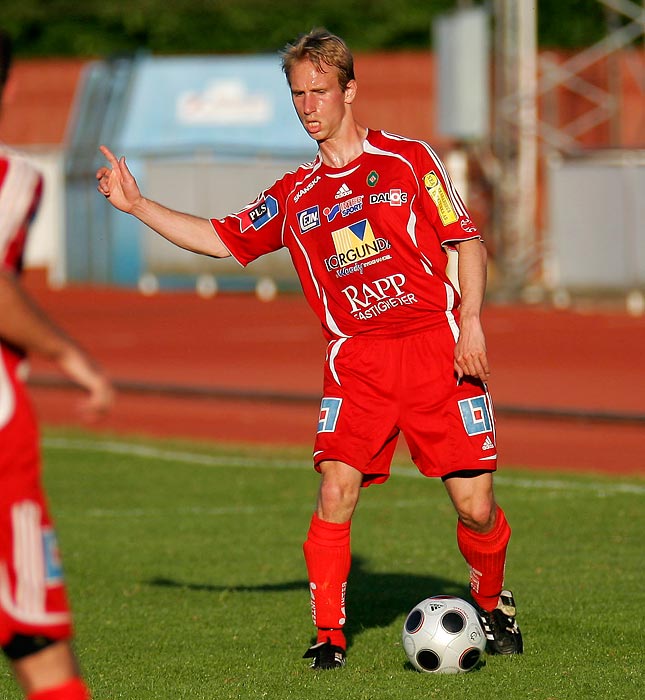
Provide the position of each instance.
(17, 192)
(331, 321)
(7, 396)
(452, 192)
(450, 302)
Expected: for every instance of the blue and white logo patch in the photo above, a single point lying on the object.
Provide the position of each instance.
(259, 214)
(329, 412)
(53, 567)
(476, 415)
(308, 219)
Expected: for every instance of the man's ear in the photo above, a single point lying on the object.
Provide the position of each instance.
(350, 91)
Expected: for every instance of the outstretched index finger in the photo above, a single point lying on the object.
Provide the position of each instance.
(111, 158)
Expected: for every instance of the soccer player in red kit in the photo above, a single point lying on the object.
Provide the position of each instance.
(367, 224)
(35, 621)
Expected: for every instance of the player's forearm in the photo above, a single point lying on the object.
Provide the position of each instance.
(472, 278)
(184, 230)
(470, 351)
(25, 325)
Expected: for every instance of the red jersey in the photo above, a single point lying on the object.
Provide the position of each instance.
(20, 191)
(33, 600)
(368, 241)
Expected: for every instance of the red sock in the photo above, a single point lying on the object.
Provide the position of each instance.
(75, 689)
(486, 557)
(328, 558)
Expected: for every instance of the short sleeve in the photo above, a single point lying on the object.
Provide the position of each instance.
(442, 202)
(21, 187)
(255, 230)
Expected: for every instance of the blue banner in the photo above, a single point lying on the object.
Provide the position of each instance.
(221, 101)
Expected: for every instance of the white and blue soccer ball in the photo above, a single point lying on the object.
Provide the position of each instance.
(443, 634)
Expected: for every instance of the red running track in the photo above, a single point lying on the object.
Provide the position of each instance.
(566, 360)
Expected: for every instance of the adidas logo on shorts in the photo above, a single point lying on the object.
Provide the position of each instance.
(488, 444)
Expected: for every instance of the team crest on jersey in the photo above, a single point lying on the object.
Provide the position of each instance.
(475, 415)
(259, 214)
(435, 189)
(372, 178)
(308, 219)
(468, 226)
(354, 244)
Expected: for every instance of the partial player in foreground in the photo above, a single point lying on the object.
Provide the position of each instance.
(35, 621)
(367, 224)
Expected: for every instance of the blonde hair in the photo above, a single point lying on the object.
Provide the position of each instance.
(321, 47)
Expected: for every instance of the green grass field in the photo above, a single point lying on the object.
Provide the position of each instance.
(185, 568)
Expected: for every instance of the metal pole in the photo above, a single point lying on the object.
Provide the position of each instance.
(515, 141)
(527, 152)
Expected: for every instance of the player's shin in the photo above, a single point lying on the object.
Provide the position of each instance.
(485, 554)
(328, 557)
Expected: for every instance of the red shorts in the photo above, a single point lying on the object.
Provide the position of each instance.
(33, 600)
(375, 388)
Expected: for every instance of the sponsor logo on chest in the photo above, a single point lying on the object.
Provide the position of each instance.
(355, 243)
(378, 296)
(395, 197)
(308, 219)
(347, 208)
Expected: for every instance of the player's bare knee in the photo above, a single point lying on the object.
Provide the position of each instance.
(339, 492)
(336, 494)
(479, 517)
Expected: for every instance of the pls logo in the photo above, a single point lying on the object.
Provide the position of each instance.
(260, 214)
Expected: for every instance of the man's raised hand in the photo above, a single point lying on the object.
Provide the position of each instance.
(116, 183)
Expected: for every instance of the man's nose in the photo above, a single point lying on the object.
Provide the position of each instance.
(309, 105)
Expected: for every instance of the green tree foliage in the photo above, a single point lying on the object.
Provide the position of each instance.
(93, 29)
(571, 24)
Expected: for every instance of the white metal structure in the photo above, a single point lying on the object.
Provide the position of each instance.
(520, 137)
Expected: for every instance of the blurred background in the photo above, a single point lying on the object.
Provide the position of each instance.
(537, 107)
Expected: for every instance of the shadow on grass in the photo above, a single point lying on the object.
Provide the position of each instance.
(374, 599)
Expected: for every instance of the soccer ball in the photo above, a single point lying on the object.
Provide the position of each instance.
(443, 634)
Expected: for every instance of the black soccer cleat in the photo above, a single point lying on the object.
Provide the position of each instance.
(325, 656)
(503, 636)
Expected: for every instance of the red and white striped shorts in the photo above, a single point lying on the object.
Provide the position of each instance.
(33, 599)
